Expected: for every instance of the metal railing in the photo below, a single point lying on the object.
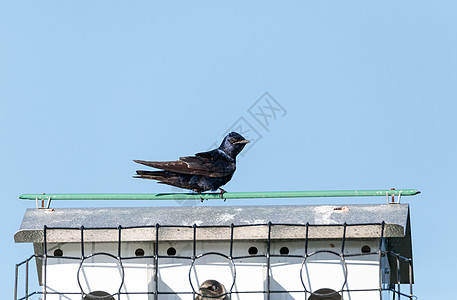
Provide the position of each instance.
(394, 288)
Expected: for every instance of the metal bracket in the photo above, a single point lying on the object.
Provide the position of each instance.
(393, 198)
(42, 203)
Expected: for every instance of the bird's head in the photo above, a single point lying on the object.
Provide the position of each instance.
(233, 143)
(212, 288)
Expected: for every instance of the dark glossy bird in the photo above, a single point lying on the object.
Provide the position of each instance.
(212, 290)
(203, 172)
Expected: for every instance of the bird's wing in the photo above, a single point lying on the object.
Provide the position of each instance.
(215, 154)
(194, 165)
(209, 155)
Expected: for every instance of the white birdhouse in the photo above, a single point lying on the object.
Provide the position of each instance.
(356, 252)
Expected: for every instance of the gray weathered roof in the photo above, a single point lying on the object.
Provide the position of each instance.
(394, 215)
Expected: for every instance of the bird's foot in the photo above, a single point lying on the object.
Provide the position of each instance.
(222, 194)
(201, 198)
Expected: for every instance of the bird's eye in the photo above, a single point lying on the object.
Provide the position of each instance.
(232, 140)
(214, 287)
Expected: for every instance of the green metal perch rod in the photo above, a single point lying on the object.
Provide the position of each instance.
(228, 195)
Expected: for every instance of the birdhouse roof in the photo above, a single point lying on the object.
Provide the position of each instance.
(138, 223)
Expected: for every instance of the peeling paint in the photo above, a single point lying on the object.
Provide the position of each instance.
(226, 217)
(323, 215)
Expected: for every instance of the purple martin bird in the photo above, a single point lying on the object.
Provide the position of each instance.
(203, 172)
(212, 289)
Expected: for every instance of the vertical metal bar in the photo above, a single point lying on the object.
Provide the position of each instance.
(16, 275)
(268, 260)
(398, 277)
(344, 239)
(411, 279)
(380, 259)
(119, 241)
(27, 279)
(306, 239)
(45, 261)
(231, 240)
(194, 252)
(119, 257)
(194, 242)
(82, 251)
(343, 243)
(45, 244)
(231, 255)
(156, 262)
(382, 235)
(306, 256)
(82, 242)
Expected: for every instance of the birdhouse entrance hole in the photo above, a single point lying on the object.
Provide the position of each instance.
(98, 295)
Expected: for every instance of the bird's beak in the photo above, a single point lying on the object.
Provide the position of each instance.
(242, 142)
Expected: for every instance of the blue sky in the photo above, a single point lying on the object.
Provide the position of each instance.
(368, 91)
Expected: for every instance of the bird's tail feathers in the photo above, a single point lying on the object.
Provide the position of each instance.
(154, 164)
(156, 175)
(166, 177)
